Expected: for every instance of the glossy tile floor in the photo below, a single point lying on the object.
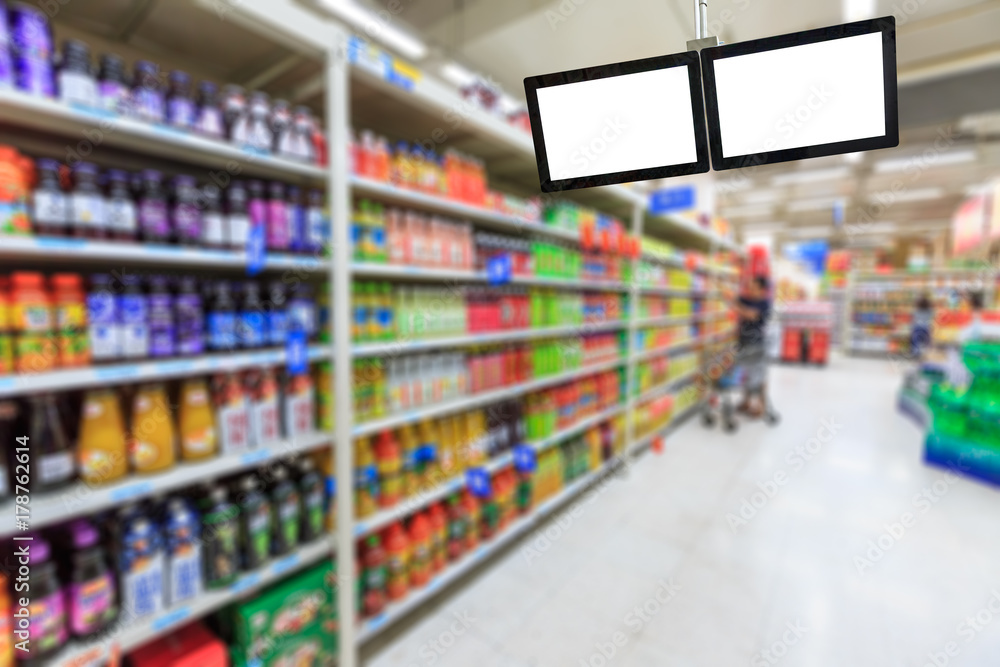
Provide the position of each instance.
(796, 545)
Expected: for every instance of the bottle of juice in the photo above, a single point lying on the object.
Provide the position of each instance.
(91, 595)
(197, 421)
(233, 419)
(470, 504)
(182, 543)
(373, 576)
(48, 439)
(438, 520)
(390, 463)
(410, 452)
(141, 563)
(312, 495)
(366, 489)
(457, 527)
(220, 537)
(47, 628)
(286, 510)
(445, 459)
(420, 550)
(261, 389)
(397, 547)
(35, 349)
(255, 523)
(153, 443)
(101, 448)
(70, 320)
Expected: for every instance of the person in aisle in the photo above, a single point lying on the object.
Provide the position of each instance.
(977, 328)
(754, 311)
(920, 333)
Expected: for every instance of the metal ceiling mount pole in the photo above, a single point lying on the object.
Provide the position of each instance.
(701, 39)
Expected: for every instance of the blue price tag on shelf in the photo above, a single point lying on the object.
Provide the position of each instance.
(256, 456)
(478, 481)
(524, 458)
(131, 491)
(498, 269)
(297, 353)
(171, 618)
(256, 250)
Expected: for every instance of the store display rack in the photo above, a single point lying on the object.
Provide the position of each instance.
(396, 107)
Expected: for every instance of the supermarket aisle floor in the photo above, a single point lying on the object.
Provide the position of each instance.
(802, 579)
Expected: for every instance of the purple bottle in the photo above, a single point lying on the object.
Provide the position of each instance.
(91, 594)
(208, 119)
(297, 223)
(147, 95)
(6, 64)
(154, 225)
(162, 328)
(180, 105)
(112, 84)
(189, 316)
(31, 48)
(237, 215)
(256, 206)
(185, 216)
(47, 630)
(277, 219)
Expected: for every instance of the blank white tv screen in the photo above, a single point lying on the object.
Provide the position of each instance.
(618, 123)
(809, 94)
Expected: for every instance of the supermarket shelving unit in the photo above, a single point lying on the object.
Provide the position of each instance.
(416, 109)
(885, 302)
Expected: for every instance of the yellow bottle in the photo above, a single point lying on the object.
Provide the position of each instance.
(445, 462)
(197, 421)
(153, 442)
(412, 472)
(365, 478)
(101, 446)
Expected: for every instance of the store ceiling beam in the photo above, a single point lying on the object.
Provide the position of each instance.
(306, 91)
(283, 21)
(258, 76)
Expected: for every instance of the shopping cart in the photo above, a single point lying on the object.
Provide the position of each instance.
(741, 370)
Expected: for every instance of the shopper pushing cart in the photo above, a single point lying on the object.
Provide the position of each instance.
(749, 368)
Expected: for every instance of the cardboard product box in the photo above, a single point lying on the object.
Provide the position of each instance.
(316, 647)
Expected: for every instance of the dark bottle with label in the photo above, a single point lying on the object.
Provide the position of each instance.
(286, 513)
(112, 84)
(91, 595)
(252, 325)
(214, 231)
(75, 78)
(47, 628)
(86, 203)
(317, 229)
(258, 122)
(255, 523)
(154, 223)
(190, 318)
(53, 461)
(312, 492)
(162, 327)
(280, 122)
(147, 94)
(182, 541)
(220, 526)
(185, 216)
(234, 113)
(295, 212)
(237, 215)
(133, 309)
(180, 103)
(277, 314)
(123, 222)
(50, 205)
(208, 117)
(256, 207)
(222, 319)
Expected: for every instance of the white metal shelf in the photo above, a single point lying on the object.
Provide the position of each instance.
(126, 637)
(127, 255)
(373, 626)
(82, 499)
(398, 347)
(476, 400)
(432, 274)
(666, 320)
(146, 371)
(53, 117)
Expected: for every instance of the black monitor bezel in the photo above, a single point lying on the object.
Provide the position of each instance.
(687, 59)
(885, 25)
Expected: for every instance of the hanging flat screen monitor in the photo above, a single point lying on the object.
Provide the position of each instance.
(804, 95)
(617, 123)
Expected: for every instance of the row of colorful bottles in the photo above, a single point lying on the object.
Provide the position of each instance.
(406, 556)
(557, 408)
(395, 465)
(150, 557)
(663, 306)
(106, 433)
(654, 338)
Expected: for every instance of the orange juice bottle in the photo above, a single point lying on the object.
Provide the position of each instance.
(390, 463)
(420, 550)
(473, 512)
(397, 546)
(476, 434)
(153, 445)
(412, 467)
(70, 320)
(445, 459)
(197, 421)
(101, 449)
(438, 520)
